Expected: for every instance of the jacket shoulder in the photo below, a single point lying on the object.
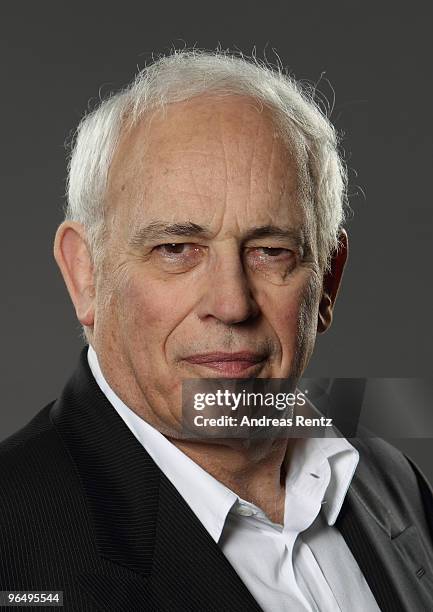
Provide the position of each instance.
(30, 451)
(43, 513)
(34, 465)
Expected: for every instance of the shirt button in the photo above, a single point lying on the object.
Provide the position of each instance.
(245, 511)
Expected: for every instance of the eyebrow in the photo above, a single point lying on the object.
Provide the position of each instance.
(265, 231)
(158, 230)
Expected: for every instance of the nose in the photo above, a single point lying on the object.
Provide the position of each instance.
(228, 297)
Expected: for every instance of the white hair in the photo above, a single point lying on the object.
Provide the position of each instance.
(181, 76)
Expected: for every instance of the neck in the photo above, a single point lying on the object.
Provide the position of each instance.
(255, 472)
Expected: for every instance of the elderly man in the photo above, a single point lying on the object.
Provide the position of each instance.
(203, 239)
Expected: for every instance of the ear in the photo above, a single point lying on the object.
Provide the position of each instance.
(331, 283)
(73, 258)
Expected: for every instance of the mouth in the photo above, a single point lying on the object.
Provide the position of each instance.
(242, 364)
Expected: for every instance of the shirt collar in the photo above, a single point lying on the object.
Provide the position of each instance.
(343, 459)
(208, 498)
(334, 458)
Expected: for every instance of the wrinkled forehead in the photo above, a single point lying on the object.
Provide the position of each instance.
(207, 160)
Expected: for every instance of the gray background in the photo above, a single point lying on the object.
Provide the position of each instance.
(56, 56)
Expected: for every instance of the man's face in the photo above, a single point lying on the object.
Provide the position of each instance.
(210, 267)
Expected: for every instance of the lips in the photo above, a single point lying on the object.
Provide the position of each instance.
(229, 364)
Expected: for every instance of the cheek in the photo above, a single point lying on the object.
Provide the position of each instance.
(292, 312)
(287, 322)
(150, 312)
(142, 312)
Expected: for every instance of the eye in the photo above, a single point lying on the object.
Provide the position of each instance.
(174, 248)
(271, 260)
(177, 256)
(273, 251)
(269, 253)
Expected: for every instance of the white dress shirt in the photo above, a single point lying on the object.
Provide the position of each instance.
(302, 565)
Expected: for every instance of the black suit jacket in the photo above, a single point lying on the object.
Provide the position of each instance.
(85, 510)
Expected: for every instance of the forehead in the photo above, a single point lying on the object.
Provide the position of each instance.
(206, 160)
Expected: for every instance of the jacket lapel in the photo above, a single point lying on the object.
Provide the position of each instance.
(185, 550)
(386, 542)
(151, 551)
